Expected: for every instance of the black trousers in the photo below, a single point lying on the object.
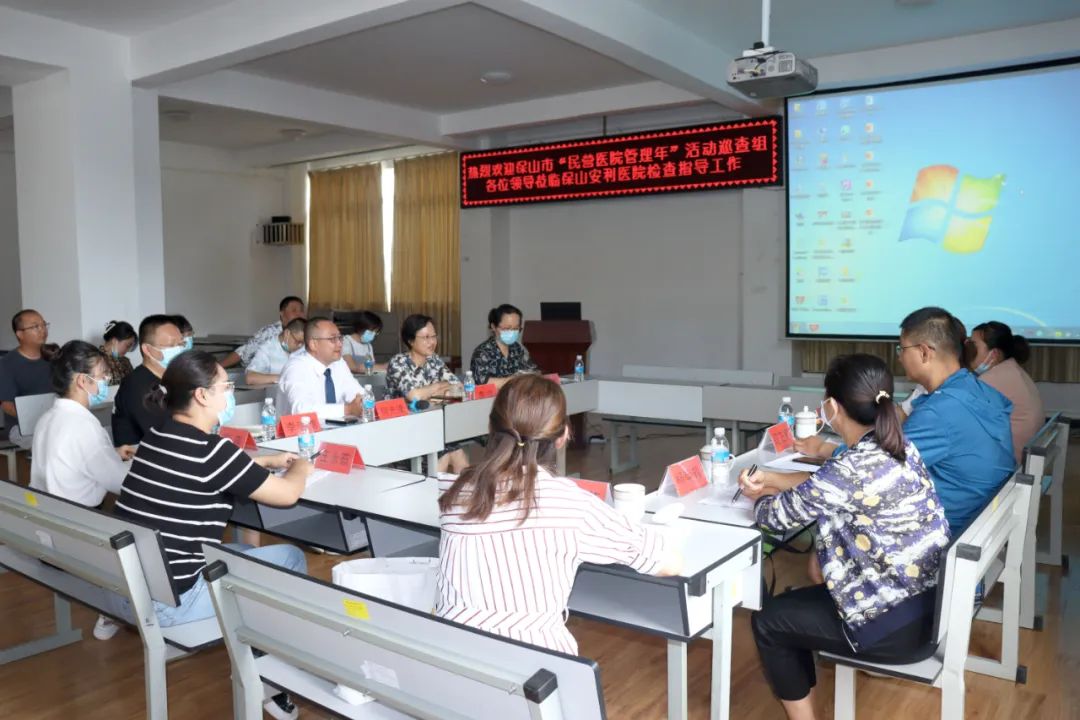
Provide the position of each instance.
(791, 626)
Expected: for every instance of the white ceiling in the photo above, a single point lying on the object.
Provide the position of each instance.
(123, 17)
(230, 129)
(434, 62)
(813, 28)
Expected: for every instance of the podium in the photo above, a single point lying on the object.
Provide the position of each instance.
(554, 345)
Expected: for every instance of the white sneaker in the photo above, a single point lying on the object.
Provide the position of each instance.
(280, 707)
(105, 628)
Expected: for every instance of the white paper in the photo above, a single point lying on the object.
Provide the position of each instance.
(787, 463)
(316, 476)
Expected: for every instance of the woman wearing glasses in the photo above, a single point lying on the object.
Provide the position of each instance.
(184, 480)
(502, 355)
(420, 374)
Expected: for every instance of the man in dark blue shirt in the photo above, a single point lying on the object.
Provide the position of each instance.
(24, 371)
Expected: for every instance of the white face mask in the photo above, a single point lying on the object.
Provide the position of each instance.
(825, 415)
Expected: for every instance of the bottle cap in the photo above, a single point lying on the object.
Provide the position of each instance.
(785, 399)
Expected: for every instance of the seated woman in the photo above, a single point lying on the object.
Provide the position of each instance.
(120, 339)
(996, 356)
(420, 374)
(501, 356)
(73, 455)
(881, 530)
(184, 481)
(508, 524)
(356, 347)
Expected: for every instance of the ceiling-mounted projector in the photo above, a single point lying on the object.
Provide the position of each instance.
(764, 72)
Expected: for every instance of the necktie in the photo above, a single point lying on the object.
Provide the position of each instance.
(331, 392)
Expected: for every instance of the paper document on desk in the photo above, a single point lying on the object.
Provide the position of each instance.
(724, 500)
(316, 476)
(790, 463)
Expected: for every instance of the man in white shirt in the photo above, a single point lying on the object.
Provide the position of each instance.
(290, 308)
(318, 380)
(270, 359)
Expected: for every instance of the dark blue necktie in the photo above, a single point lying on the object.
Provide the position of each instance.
(331, 393)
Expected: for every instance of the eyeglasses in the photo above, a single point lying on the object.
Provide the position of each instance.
(106, 378)
(901, 348)
(335, 339)
(516, 328)
(434, 336)
(229, 385)
(36, 327)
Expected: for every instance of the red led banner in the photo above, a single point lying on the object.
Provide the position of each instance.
(706, 157)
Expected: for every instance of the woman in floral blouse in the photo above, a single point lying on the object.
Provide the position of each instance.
(420, 374)
(881, 531)
(120, 339)
(502, 355)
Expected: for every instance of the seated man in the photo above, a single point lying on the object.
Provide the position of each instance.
(160, 340)
(24, 371)
(270, 358)
(317, 379)
(290, 308)
(960, 426)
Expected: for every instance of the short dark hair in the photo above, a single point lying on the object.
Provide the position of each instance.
(186, 373)
(286, 300)
(999, 336)
(297, 326)
(937, 328)
(367, 320)
(74, 358)
(412, 325)
(119, 330)
(863, 385)
(496, 314)
(182, 324)
(16, 319)
(149, 326)
(312, 325)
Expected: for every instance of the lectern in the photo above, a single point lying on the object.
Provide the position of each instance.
(554, 345)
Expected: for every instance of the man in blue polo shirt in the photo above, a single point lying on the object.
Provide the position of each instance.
(961, 426)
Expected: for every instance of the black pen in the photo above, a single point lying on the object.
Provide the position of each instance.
(738, 492)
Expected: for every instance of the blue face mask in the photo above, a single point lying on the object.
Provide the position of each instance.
(169, 354)
(189, 342)
(509, 337)
(368, 336)
(230, 409)
(101, 395)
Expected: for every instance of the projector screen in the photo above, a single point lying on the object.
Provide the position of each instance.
(951, 193)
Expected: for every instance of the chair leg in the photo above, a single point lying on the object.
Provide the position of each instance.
(844, 700)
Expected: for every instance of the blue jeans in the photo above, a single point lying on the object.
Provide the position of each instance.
(195, 603)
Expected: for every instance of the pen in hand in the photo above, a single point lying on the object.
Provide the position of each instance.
(738, 492)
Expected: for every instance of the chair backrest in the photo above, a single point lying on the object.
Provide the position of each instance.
(980, 543)
(416, 663)
(81, 540)
(704, 375)
(1049, 445)
(30, 408)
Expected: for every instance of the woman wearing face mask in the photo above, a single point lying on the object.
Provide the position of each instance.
(996, 356)
(120, 339)
(502, 355)
(73, 456)
(356, 347)
(881, 530)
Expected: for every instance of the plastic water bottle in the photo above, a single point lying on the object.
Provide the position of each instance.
(579, 369)
(269, 419)
(369, 404)
(721, 452)
(306, 441)
(705, 456)
(786, 414)
(369, 365)
(470, 386)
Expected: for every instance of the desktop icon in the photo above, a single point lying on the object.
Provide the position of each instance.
(845, 184)
(869, 156)
(869, 127)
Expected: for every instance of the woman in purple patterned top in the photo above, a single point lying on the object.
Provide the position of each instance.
(881, 531)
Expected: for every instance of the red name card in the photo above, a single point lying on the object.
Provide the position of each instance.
(597, 487)
(554, 377)
(386, 409)
(781, 437)
(240, 437)
(338, 458)
(291, 425)
(487, 390)
(687, 476)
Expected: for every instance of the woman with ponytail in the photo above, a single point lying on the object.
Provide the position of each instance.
(513, 535)
(995, 355)
(881, 530)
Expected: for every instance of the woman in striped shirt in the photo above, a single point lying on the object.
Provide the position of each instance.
(513, 535)
(184, 480)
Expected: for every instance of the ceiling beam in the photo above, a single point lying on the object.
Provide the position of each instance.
(254, 93)
(309, 149)
(246, 30)
(631, 34)
(590, 103)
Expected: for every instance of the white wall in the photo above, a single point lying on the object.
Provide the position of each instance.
(10, 286)
(215, 272)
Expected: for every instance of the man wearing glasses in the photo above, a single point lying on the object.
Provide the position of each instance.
(318, 380)
(160, 340)
(24, 371)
